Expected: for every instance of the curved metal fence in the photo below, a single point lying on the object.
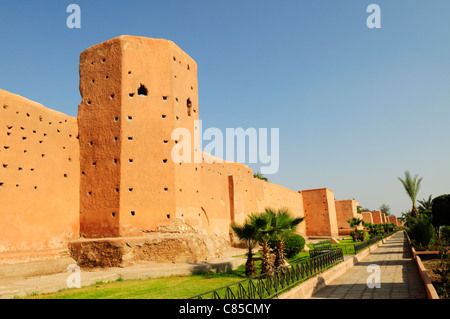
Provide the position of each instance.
(273, 283)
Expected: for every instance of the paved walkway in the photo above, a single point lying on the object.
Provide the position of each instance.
(398, 275)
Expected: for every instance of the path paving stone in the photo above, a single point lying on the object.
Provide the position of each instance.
(399, 277)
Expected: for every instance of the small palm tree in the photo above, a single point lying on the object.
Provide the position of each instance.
(247, 234)
(263, 223)
(282, 223)
(354, 222)
(426, 204)
(412, 186)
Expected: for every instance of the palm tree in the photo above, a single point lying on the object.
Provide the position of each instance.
(247, 234)
(354, 222)
(282, 223)
(263, 223)
(425, 204)
(260, 176)
(412, 186)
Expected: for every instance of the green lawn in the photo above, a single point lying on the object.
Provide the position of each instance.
(157, 288)
(174, 287)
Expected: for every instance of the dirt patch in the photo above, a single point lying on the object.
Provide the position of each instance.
(429, 265)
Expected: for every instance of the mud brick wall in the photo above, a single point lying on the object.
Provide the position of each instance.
(39, 180)
(320, 212)
(345, 210)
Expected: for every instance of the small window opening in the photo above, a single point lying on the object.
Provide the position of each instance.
(142, 90)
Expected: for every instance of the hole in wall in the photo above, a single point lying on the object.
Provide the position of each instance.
(142, 90)
(133, 213)
(131, 94)
(164, 98)
(166, 189)
(189, 106)
(113, 214)
(168, 216)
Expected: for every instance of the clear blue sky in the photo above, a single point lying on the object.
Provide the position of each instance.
(356, 107)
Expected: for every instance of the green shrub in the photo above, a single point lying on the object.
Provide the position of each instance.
(422, 232)
(445, 234)
(441, 210)
(293, 244)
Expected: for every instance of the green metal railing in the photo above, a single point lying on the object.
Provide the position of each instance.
(273, 283)
(355, 248)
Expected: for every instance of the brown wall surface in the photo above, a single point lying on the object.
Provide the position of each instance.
(367, 217)
(39, 180)
(320, 212)
(345, 209)
(376, 217)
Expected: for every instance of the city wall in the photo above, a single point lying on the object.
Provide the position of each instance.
(39, 180)
(104, 188)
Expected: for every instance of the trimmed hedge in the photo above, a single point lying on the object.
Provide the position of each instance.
(293, 244)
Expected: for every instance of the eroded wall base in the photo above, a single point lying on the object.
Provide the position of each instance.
(158, 247)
